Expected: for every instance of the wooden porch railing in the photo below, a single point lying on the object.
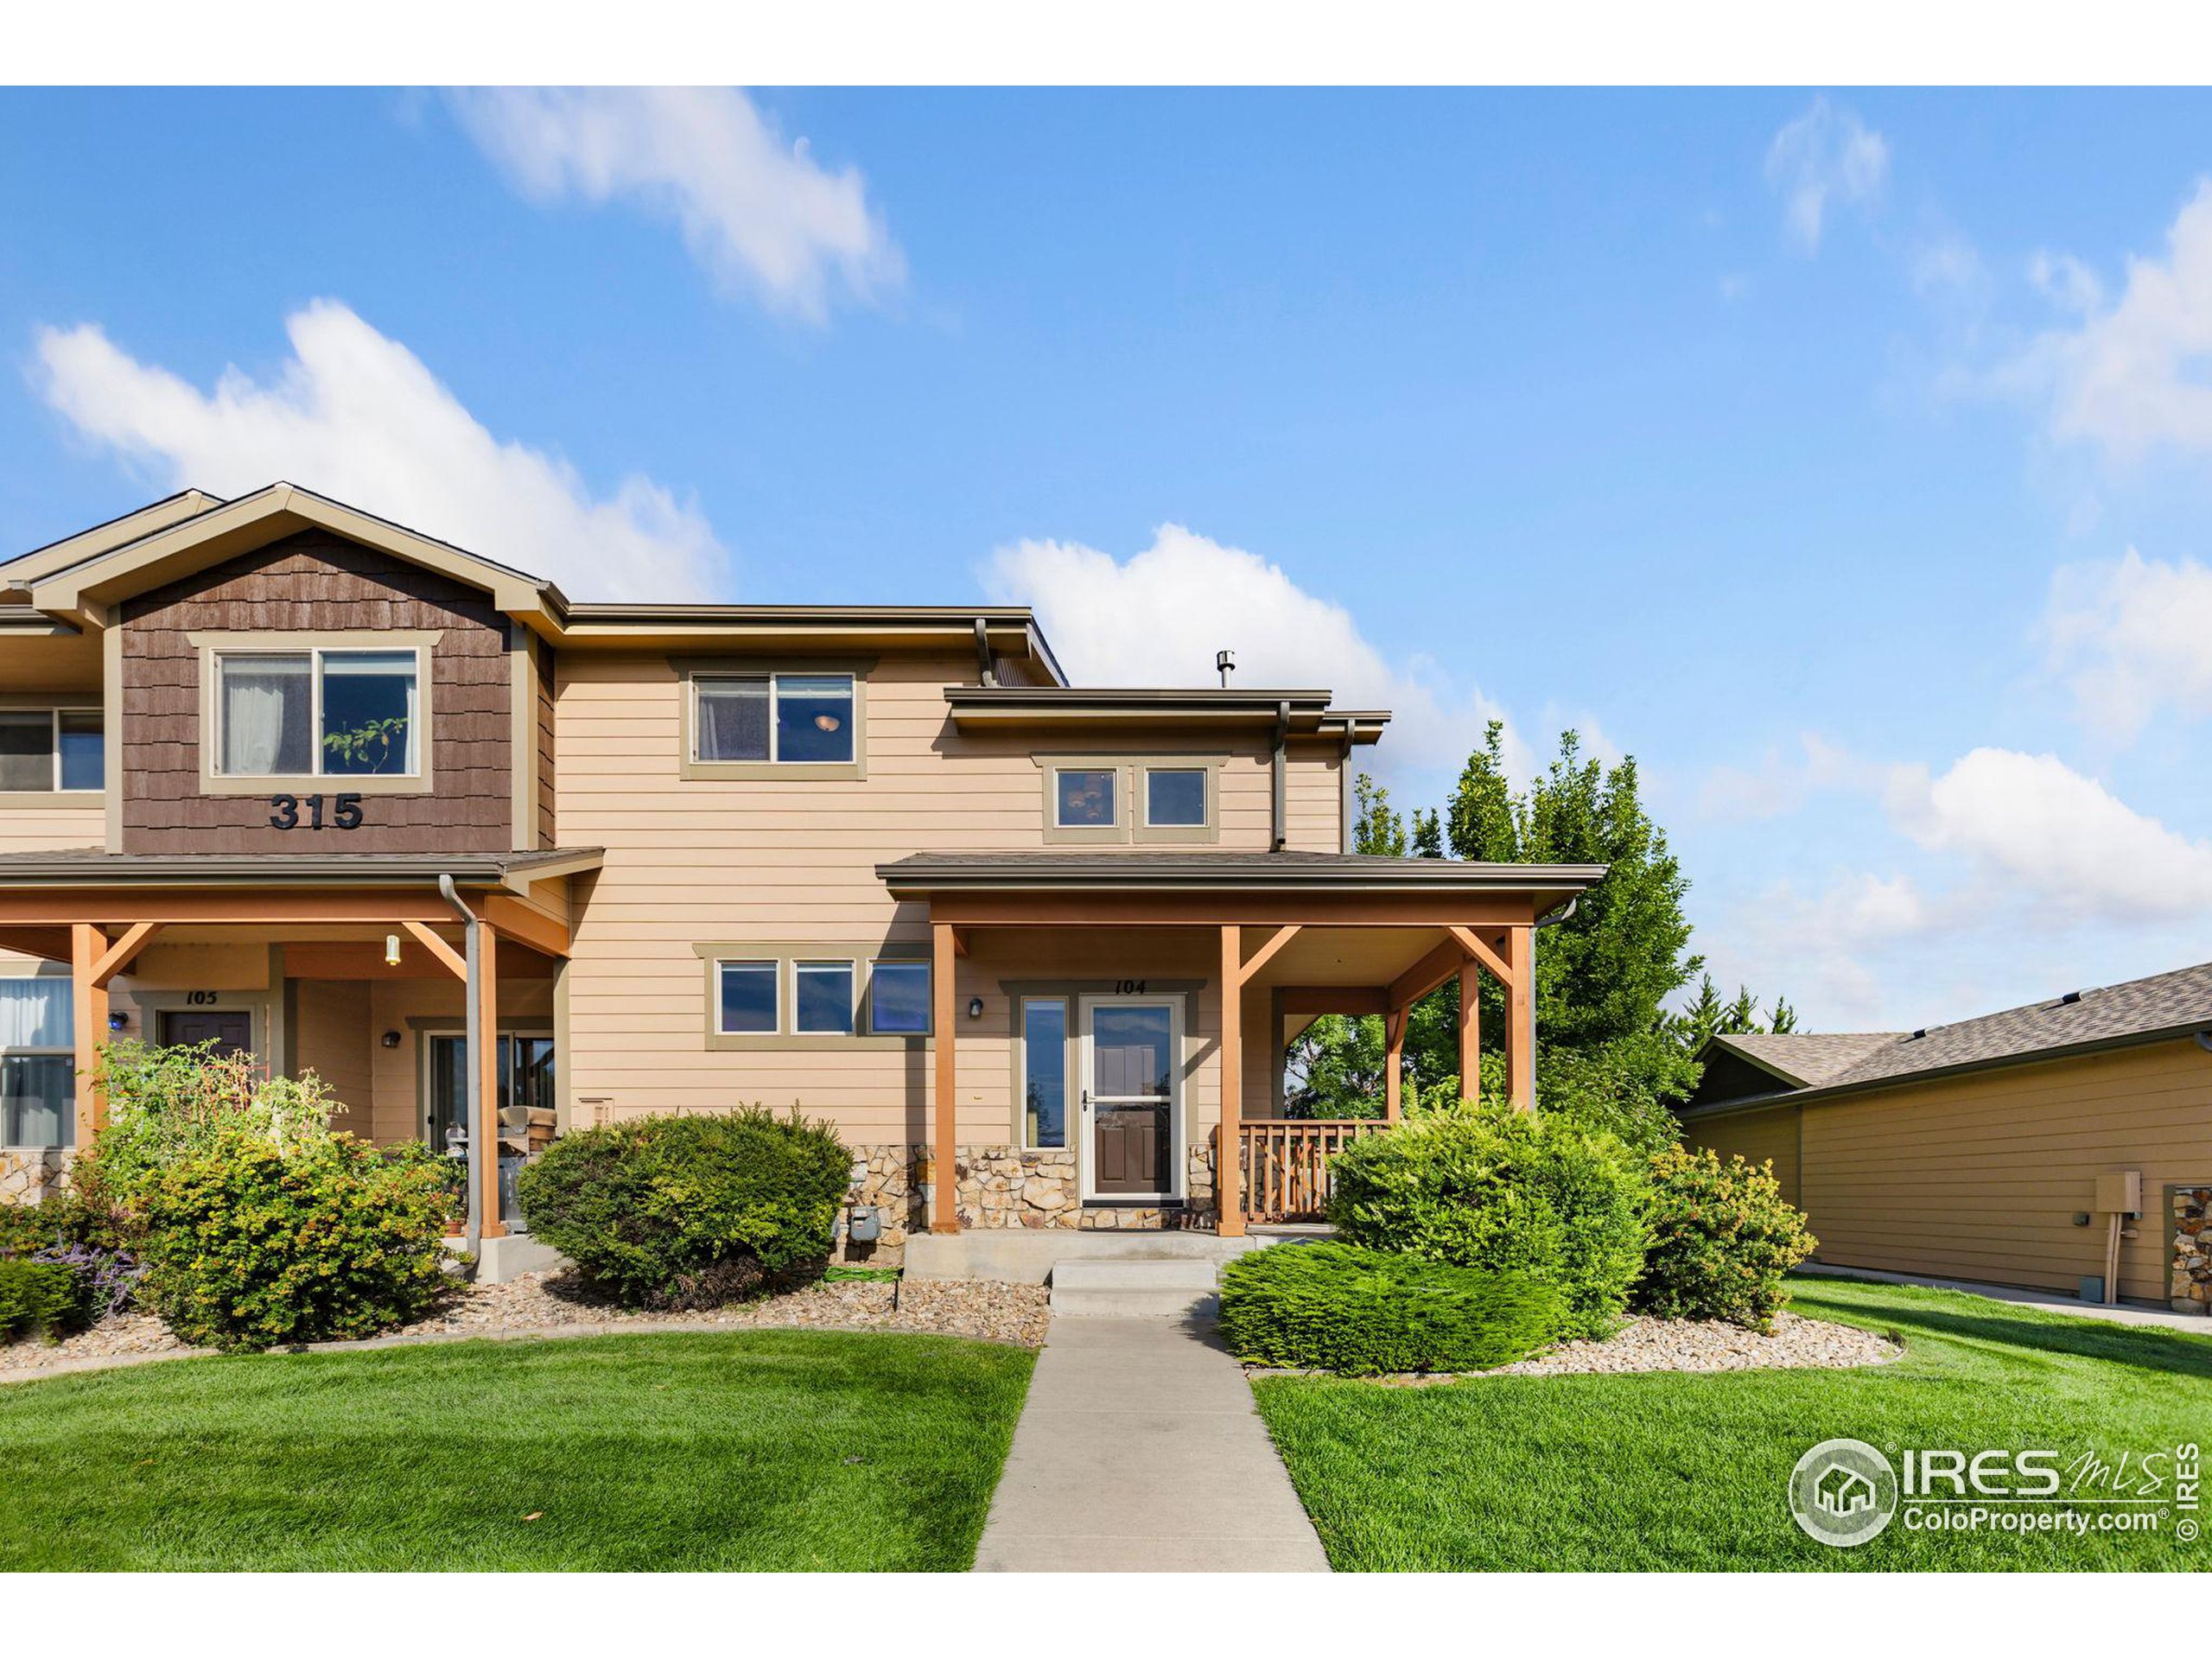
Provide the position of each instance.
(1284, 1163)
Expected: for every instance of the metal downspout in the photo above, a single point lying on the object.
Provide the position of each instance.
(473, 1095)
(1280, 835)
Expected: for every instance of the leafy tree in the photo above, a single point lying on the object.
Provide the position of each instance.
(1378, 829)
(1429, 834)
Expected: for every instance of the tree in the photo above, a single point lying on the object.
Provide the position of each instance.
(1378, 829)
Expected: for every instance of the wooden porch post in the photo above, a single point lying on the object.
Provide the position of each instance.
(1229, 1189)
(88, 1003)
(1471, 1032)
(1521, 1017)
(944, 1195)
(487, 1062)
(1393, 1064)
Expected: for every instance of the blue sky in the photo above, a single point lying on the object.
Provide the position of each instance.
(1796, 444)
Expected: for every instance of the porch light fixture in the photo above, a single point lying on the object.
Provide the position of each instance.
(119, 1021)
(391, 954)
(389, 1039)
(975, 1008)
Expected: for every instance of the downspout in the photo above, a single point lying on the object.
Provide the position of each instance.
(473, 1093)
(1280, 837)
(984, 672)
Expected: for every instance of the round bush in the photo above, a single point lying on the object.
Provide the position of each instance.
(1508, 1192)
(1337, 1307)
(249, 1246)
(690, 1211)
(48, 1299)
(1722, 1237)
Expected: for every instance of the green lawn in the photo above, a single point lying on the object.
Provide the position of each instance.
(1672, 1471)
(753, 1451)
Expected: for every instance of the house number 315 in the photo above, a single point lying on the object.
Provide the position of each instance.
(345, 811)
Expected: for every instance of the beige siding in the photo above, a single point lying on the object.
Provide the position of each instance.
(1762, 1137)
(1980, 1177)
(48, 829)
(330, 1036)
(1313, 800)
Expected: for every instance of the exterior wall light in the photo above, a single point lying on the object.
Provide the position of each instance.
(391, 950)
(975, 1008)
(118, 1021)
(389, 1039)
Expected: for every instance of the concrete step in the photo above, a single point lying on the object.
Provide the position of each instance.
(1134, 1290)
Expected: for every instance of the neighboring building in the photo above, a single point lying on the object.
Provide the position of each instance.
(882, 863)
(1973, 1151)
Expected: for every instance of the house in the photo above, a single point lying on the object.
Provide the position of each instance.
(1033, 948)
(1975, 1150)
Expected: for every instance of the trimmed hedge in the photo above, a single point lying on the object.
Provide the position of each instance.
(1337, 1307)
(1506, 1190)
(48, 1299)
(1723, 1236)
(692, 1211)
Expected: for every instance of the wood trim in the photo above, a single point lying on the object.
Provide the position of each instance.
(66, 906)
(526, 925)
(1266, 953)
(1393, 1064)
(522, 736)
(1480, 950)
(1425, 976)
(1521, 1018)
(441, 952)
(88, 1004)
(486, 1131)
(944, 1189)
(1471, 1032)
(1228, 1180)
(1232, 907)
(111, 734)
(123, 951)
(1302, 1002)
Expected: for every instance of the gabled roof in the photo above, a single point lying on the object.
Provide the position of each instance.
(16, 574)
(2154, 1009)
(1801, 1058)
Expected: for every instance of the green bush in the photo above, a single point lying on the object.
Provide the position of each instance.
(1337, 1307)
(1723, 1236)
(66, 1220)
(250, 1245)
(1505, 1191)
(692, 1211)
(48, 1299)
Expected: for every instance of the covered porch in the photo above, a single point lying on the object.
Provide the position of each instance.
(1171, 983)
(354, 966)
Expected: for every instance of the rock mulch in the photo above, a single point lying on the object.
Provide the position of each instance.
(1645, 1344)
(541, 1304)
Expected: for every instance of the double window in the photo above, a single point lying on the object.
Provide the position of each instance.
(794, 720)
(38, 1063)
(335, 713)
(1131, 799)
(43, 751)
(821, 996)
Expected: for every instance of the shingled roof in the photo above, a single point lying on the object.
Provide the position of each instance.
(2175, 1004)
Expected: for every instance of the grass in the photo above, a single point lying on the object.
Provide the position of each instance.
(777, 1451)
(1673, 1472)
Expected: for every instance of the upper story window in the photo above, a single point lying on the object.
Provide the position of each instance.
(775, 719)
(1175, 797)
(1084, 798)
(1130, 799)
(323, 712)
(45, 751)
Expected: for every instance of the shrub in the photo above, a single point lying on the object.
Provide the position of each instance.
(1723, 1236)
(693, 1210)
(249, 1245)
(1505, 1191)
(1339, 1308)
(47, 1298)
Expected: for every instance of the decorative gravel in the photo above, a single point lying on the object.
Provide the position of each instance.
(1645, 1344)
(555, 1304)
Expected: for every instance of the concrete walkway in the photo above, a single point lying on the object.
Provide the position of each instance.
(2050, 1300)
(1139, 1450)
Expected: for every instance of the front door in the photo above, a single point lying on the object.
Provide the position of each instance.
(229, 1029)
(1132, 1086)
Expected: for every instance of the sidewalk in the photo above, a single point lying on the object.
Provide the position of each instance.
(1139, 1450)
(2052, 1300)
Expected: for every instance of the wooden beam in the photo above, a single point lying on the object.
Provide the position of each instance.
(1471, 1032)
(441, 952)
(1394, 1064)
(1300, 1000)
(359, 959)
(51, 943)
(88, 1004)
(1480, 949)
(1310, 909)
(944, 1169)
(959, 942)
(1521, 1018)
(487, 1062)
(1228, 1184)
(1266, 953)
(66, 906)
(123, 951)
(511, 919)
(1425, 976)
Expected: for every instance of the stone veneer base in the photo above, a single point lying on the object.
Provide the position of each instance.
(2188, 1285)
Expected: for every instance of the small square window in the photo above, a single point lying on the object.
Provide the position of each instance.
(732, 720)
(748, 996)
(27, 750)
(1083, 798)
(899, 999)
(823, 997)
(84, 748)
(814, 718)
(1175, 797)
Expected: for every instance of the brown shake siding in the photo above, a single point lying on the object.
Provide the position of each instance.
(314, 583)
(548, 823)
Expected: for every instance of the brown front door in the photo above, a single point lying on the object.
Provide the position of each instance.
(229, 1029)
(1131, 1098)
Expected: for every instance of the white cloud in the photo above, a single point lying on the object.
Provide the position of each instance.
(357, 416)
(2132, 635)
(1825, 155)
(1157, 618)
(1782, 783)
(2136, 372)
(762, 215)
(2037, 829)
(1824, 951)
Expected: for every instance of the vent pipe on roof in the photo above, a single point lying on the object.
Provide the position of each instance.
(1224, 664)
(2070, 996)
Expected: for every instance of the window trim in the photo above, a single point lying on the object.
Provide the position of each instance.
(1130, 826)
(690, 670)
(1117, 821)
(861, 955)
(213, 647)
(44, 1050)
(54, 794)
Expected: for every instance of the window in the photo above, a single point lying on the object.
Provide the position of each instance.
(1175, 797)
(782, 719)
(38, 1064)
(1083, 798)
(822, 998)
(899, 999)
(317, 713)
(1045, 1071)
(46, 749)
(747, 991)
